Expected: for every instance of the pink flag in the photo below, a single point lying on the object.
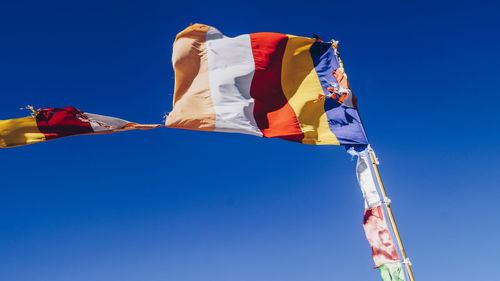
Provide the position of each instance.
(379, 237)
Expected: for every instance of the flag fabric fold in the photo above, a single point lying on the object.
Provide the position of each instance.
(263, 84)
(53, 123)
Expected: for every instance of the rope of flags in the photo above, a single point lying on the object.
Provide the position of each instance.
(269, 85)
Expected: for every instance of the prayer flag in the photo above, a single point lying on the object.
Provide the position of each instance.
(392, 272)
(53, 123)
(378, 235)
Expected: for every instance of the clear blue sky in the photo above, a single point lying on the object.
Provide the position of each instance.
(177, 205)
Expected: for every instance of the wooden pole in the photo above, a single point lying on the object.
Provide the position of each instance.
(389, 212)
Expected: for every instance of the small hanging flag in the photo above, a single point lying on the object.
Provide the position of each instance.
(392, 272)
(53, 123)
(365, 178)
(378, 235)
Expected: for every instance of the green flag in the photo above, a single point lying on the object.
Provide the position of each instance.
(392, 272)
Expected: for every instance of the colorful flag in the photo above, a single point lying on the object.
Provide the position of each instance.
(53, 123)
(264, 84)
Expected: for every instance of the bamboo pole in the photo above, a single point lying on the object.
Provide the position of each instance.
(389, 212)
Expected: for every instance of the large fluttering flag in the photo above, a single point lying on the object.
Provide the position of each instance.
(264, 84)
(53, 123)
